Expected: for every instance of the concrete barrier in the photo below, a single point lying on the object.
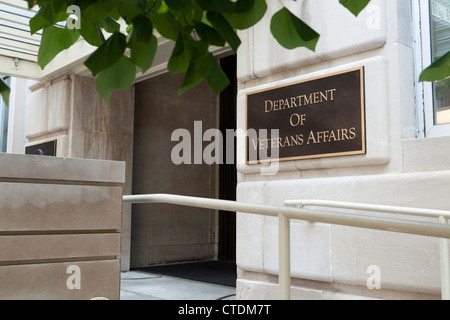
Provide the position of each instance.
(60, 228)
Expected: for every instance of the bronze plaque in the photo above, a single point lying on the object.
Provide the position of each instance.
(315, 118)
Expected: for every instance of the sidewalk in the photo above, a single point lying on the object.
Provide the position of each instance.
(145, 286)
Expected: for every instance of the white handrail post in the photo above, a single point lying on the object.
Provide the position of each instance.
(445, 265)
(284, 277)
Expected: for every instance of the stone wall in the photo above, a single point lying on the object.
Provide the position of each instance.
(332, 261)
(69, 110)
(60, 228)
(167, 233)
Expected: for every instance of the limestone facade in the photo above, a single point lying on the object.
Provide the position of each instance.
(399, 169)
(60, 228)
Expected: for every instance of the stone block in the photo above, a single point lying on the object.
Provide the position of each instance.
(48, 281)
(34, 168)
(48, 109)
(45, 207)
(48, 247)
(60, 218)
(341, 254)
(341, 35)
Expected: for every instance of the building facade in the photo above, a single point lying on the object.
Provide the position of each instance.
(404, 161)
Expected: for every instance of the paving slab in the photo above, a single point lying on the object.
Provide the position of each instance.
(146, 286)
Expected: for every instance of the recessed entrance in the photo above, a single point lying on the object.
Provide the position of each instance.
(168, 234)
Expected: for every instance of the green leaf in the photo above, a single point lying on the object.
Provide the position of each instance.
(438, 70)
(209, 35)
(130, 9)
(58, 6)
(110, 25)
(95, 14)
(4, 91)
(196, 49)
(221, 24)
(31, 3)
(291, 32)
(45, 17)
(355, 6)
(119, 76)
(109, 5)
(243, 20)
(243, 6)
(40, 20)
(53, 41)
(166, 25)
(179, 5)
(143, 53)
(163, 8)
(142, 29)
(91, 34)
(185, 52)
(179, 59)
(197, 13)
(209, 69)
(191, 79)
(107, 54)
(222, 6)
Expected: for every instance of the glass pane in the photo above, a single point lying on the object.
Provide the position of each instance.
(440, 45)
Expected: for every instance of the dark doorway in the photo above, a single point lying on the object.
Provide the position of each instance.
(217, 272)
(227, 170)
(157, 114)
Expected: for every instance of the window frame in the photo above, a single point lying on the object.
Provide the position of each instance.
(4, 119)
(426, 126)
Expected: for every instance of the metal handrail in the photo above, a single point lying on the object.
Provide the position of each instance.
(285, 213)
(369, 207)
(441, 215)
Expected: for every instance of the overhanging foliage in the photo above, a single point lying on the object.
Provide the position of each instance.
(194, 26)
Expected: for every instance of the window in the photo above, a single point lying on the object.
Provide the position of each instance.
(432, 38)
(4, 114)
